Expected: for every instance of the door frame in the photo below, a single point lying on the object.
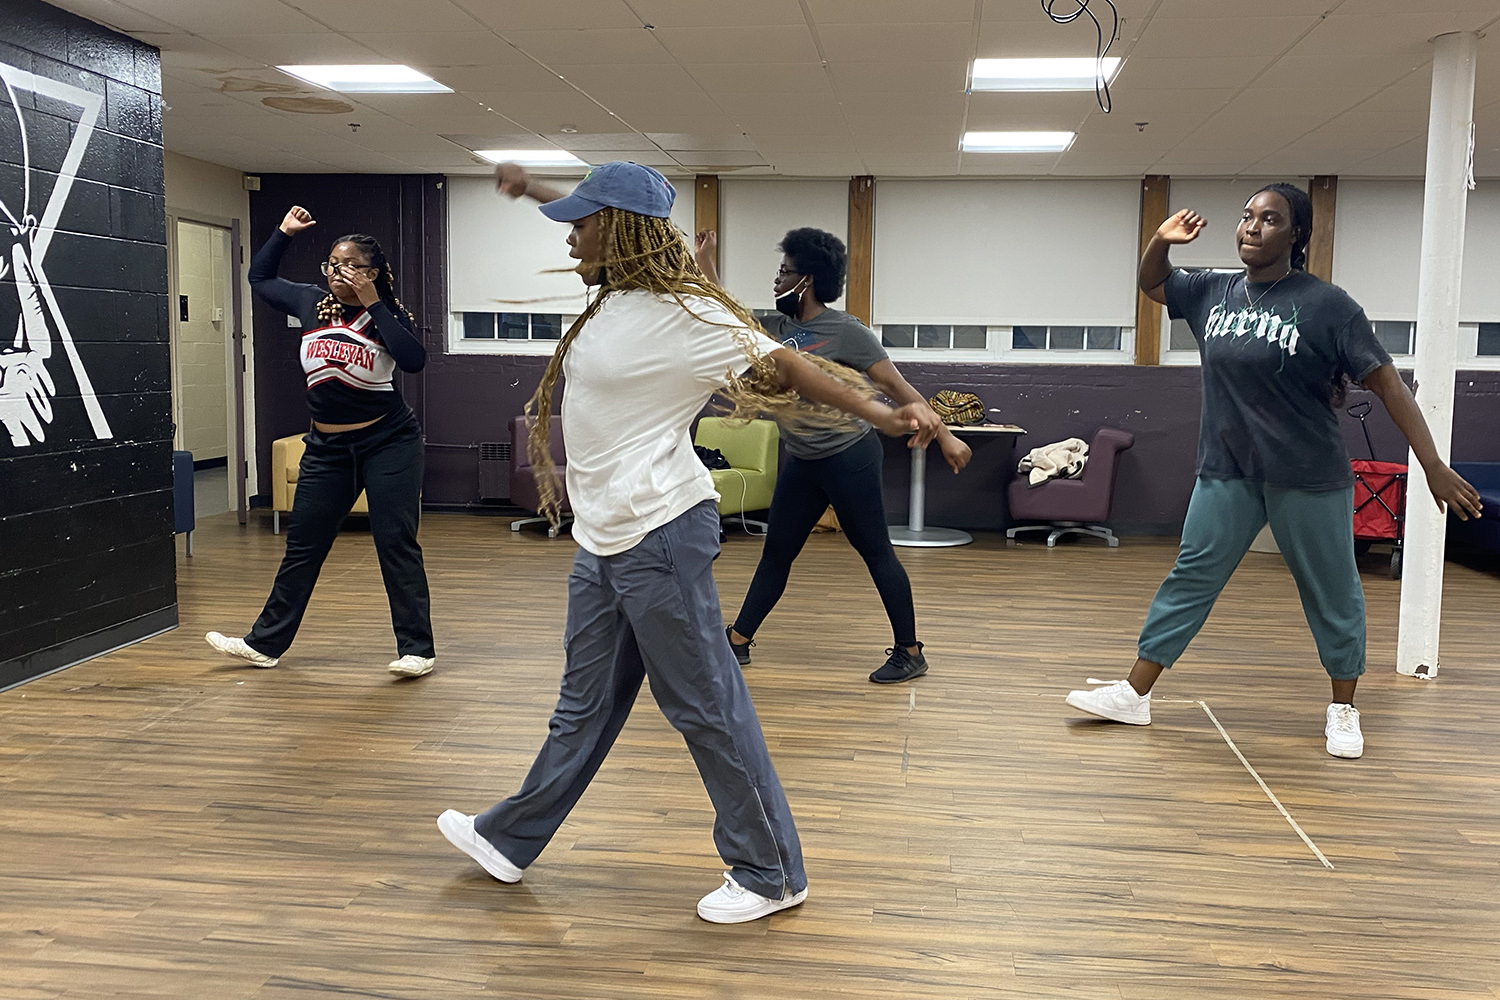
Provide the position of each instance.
(236, 359)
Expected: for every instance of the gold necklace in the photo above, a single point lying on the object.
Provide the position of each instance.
(1255, 302)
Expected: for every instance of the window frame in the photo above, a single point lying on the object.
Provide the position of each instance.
(998, 350)
(457, 343)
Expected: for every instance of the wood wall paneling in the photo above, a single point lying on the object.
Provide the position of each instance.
(1155, 191)
(706, 206)
(861, 247)
(1324, 192)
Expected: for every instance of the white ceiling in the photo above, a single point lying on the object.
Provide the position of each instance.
(813, 87)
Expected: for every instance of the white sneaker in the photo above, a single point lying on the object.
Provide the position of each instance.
(1116, 701)
(1342, 730)
(240, 648)
(459, 829)
(731, 903)
(412, 665)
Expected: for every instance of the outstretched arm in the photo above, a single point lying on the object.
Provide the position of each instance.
(512, 179)
(288, 296)
(797, 373)
(706, 252)
(1182, 227)
(1448, 488)
(891, 382)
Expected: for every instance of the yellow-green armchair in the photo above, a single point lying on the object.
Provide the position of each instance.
(750, 448)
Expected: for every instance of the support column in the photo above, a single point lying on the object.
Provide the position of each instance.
(1155, 189)
(857, 298)
(706, 209)
(1324, 193)
(1439, 282)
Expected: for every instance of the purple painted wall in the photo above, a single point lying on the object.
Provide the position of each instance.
(463, 400)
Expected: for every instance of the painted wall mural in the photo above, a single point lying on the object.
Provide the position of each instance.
(27, 387)
(87, 557)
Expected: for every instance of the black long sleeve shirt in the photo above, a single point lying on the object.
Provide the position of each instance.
(350, 365)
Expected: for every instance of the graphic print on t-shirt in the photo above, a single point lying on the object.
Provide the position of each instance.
(1255, 323)
(344, 353)
(804, 340)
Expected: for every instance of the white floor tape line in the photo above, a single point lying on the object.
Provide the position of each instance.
(1265, 788)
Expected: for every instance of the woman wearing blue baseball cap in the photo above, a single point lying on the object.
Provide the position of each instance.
(656, 340)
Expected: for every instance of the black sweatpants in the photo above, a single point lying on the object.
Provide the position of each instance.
(850, 481)
(384, 460)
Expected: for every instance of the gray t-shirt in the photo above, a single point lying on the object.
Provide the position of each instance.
(842, 339)
(1270, 370)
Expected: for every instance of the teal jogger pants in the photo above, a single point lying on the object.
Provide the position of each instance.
(1315, 531)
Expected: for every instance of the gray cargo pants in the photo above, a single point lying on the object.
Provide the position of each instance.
(653, 611)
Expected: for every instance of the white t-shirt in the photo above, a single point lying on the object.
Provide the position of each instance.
(637, 375)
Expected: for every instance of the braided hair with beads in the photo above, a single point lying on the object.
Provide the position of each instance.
(331, 310)
(643, 252)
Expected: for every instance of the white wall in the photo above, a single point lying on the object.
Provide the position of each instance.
(208, 192)
(753, 217)
(1377, 249)
(503, 254)
(999, 252)
(1220, 200)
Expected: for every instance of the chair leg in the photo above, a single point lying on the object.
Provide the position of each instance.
(1092, 530)
(275, 522)
(1011, 533)
(551, 531)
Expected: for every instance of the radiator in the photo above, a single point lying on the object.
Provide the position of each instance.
(494, 470)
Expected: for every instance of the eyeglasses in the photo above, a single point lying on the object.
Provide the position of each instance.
(782, 272)
(330, 267)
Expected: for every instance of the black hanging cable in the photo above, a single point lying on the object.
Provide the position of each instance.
(1101, 49)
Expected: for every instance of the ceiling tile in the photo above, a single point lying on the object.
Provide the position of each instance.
(1231, 36)
(1190, 72)
(759, 78)
(598, 141)
(373, 15)
(697, 14)
(764, 44)
(890, 11)
(294, 49)
(721, 141)
(428, 49)
(590, 45)
(604, 81)
(784, 124)
(554, 14)
(918, 41)
(1034, 38)
(900, 76)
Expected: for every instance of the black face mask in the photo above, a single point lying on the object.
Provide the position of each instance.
(790, 304)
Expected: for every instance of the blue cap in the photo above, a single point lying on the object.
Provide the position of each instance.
(617, 184)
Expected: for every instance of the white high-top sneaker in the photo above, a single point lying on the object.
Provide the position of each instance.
(1115, 701)
(1342, 730)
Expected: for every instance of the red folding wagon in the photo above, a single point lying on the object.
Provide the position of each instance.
(1379, 499)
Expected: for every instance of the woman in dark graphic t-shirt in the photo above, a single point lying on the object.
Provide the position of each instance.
(1278, 347)
(355, 334)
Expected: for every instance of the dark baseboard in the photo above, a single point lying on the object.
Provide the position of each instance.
(75, 651)
(210, 463)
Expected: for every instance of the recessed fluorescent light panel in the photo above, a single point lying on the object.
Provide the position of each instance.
(531, 157)
(1041, 74)
(1017, 142)
(387, 79)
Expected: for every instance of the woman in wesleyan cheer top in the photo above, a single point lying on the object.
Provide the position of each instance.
(355, 334)
(1279, 348)
(838, 467)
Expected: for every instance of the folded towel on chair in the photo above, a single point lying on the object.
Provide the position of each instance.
(1059, 460)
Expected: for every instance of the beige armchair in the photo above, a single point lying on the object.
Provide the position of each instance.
(286, 457)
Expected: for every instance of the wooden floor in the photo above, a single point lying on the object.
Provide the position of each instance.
(173, 825)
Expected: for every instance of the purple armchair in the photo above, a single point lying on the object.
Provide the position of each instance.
(1073, 505)
(524, 491)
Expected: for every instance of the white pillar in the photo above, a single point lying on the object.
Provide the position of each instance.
(1439, 283)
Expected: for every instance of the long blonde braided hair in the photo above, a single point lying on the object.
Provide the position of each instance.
(651, 254)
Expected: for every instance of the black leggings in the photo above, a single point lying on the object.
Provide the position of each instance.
(384, 460)
(850, 481)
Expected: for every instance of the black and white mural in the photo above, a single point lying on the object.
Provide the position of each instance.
(87, 555)
(27, 386)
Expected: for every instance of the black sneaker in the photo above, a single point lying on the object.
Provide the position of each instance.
(741, 650)
(901, 666)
